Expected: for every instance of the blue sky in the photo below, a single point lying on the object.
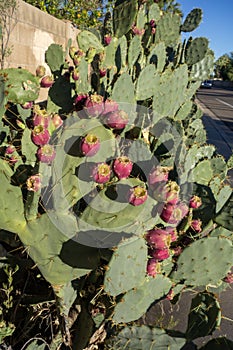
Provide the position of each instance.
(216, 25)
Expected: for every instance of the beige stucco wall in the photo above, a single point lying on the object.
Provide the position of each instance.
(34, 31)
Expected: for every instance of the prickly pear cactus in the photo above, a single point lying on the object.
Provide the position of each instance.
(117, 197)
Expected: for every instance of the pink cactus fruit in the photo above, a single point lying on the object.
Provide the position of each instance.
(110, 106)
(90, 145)
(94, 105)
(152, 267)
(158, 238)
(47, 81)
(122, 167)
(196, 225)
(56, 121)
(170, 295)
(158, 174)
(79, 101)
(117, 120)
(101, 173)
(137, 195)
(13, 159)
(229, 277)
(138, 31)
(40, 117)
(195, 202)
(174, 213)
(107, 39)
(102, 72)
(10, 150)
(27, 105)
(46, 153)
(75, 74)
(34, 183)
(171, 192)
(40, 135)
(160, 254)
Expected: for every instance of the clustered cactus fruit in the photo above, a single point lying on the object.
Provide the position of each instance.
(117, 167)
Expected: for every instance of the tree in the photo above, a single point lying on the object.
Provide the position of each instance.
(80, 12)
(224, 67)
(8, 10)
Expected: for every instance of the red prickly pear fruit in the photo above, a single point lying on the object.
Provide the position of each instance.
(101, 173)
(40, 71)
(72, 51)
(27, 105)
(10, 149)
(110, 106)
(195, 202)
(75, 74)
(158, 238)
(40, 135)
(90, 145)
(47, 81)
(122, 167)
(137, 195)
(196, 225)
(13, 159)
(174, 213)
(170, 294)
(152, 267)
(177, 251)
(172, 190)
(94, 105)
(56, 121)
(107, 39)
(158, 174)
(79, 101)
(152, 23)
(117, 120)
(138, 31)
(160, 254)
(34, 183)
(46, 154)
(102, 72)
(40, 117)
(229, 277)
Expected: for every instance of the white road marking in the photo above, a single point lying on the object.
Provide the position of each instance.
(225, 103)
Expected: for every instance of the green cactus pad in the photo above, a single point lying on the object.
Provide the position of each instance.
(11, 204)
(154, 12)
(123, 90)
(87, 39)
(146, 82)
(192, 20)
(135, 48)
(131, 257)
(55, 57)
(202, 69)
(20, 85)
(136, 301)
(144, 338)
(124, 14)
(169, 94)
(196, 50)
(224, 217)
(205, 312)
(204, 262)
(29, 149)
(168, 29)
(158, 56)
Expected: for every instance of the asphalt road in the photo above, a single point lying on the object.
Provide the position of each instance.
(217, 106)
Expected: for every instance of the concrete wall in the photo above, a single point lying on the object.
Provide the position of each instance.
(33, 32)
